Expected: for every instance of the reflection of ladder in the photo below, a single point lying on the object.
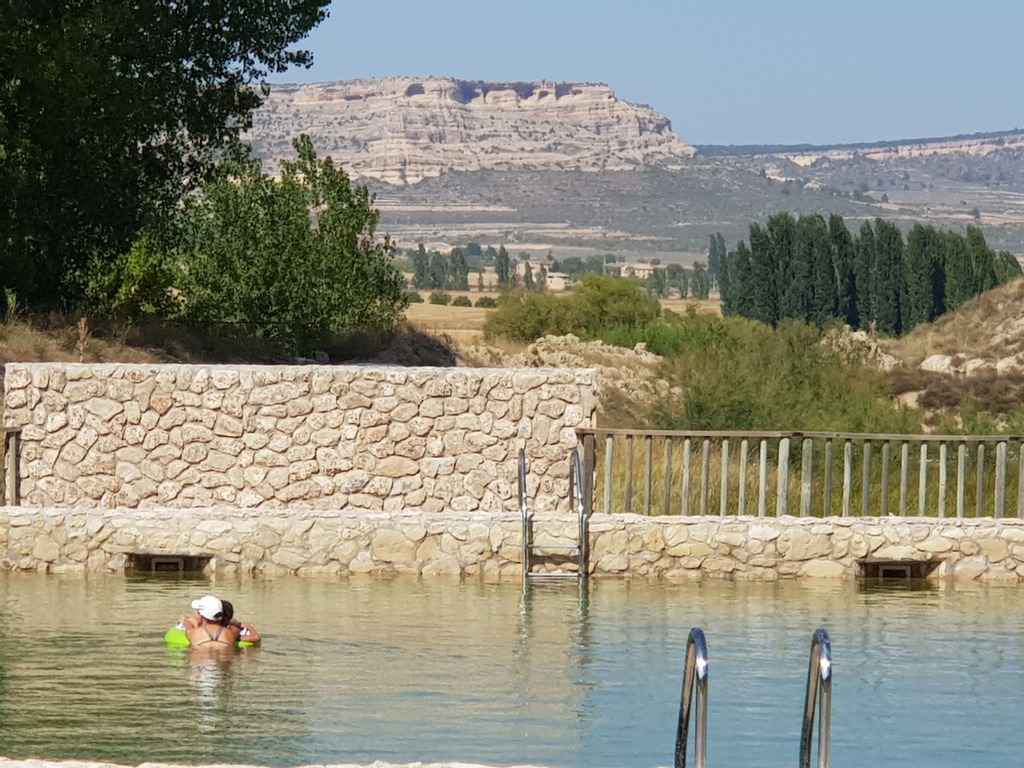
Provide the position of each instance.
(575, 552)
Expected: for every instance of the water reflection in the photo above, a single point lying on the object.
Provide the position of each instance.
(410, 670)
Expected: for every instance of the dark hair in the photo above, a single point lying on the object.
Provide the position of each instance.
(226, 614)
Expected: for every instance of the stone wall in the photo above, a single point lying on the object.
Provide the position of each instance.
(321, 437)
(271, 542)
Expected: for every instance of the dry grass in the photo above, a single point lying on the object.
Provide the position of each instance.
(466, 324)
(638, 484)
(990, 327)
(60, 340)
(682, 306)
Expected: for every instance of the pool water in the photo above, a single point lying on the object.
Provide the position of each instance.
(434, 670)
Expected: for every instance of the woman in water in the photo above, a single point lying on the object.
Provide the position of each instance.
(213, 625)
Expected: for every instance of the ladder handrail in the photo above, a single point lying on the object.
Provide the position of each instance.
(525, 512)
(819, 692)
(696, 672)
(577, 490)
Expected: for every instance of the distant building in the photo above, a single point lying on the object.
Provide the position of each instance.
(558, 281)
(553, 281)
(639, 271)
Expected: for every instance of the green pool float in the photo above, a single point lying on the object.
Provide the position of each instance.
(177, 638)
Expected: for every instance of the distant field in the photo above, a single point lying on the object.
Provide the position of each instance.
(466, 324)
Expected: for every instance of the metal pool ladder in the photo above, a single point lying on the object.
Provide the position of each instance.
(819, 692)
(695, 675)
(577, 551)
(819, 697)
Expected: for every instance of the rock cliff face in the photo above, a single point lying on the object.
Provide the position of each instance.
(403, 130)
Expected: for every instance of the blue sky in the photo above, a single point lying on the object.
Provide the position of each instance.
(723, 71)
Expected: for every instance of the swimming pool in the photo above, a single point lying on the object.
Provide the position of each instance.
(433, 670)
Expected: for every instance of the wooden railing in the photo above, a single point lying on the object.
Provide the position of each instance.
(802, 473)
(9, 466)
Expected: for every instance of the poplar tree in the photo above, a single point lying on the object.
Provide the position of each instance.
(502, 266)
(735, 286)
(792, 273)
(843, 255)
(863, 271)
(924, 283)
(887, 278)
(764, 300)
(816, 248)
(421, 268)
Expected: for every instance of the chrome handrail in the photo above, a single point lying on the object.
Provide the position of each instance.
(577, 491)
(525, 511)
(696, 672)
(819, 692)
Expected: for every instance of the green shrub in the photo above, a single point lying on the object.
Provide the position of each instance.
(462, 301)
(604, 301)
(414, 297)
(441, 298)
(601, 303)
(735, 374)
(525, 317)
(486, 302)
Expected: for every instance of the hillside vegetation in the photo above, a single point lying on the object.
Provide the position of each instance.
(684, 369)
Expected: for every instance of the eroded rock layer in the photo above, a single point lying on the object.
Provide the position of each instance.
(402, 130)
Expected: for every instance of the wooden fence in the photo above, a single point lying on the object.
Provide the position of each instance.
(815, 474)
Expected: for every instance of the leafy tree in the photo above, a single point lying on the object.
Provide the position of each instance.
(863, 270)
(503, 266)
(459, 270)
(135, 286)
(659, 283)
(438, 271)
(792, 272)
(843, 258)
(887, 278)
(421, 268)
(983, 261)
(700, 282)
(600, 303)
(815, 248)
(764, 301)
(474, 250)
(295, 258)
(107, 109)
(716, 257)
(924, 283)
(603, 301)
(1007, 267)
(735, 286)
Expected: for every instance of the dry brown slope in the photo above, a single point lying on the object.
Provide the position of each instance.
(972, 358)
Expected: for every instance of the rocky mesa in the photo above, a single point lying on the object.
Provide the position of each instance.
(402, 130)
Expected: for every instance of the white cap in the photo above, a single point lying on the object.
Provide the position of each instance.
(209, 607)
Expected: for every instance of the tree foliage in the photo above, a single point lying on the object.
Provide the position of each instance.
(107, 108)
(295, 258)
(815, 271)
(601, 302)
